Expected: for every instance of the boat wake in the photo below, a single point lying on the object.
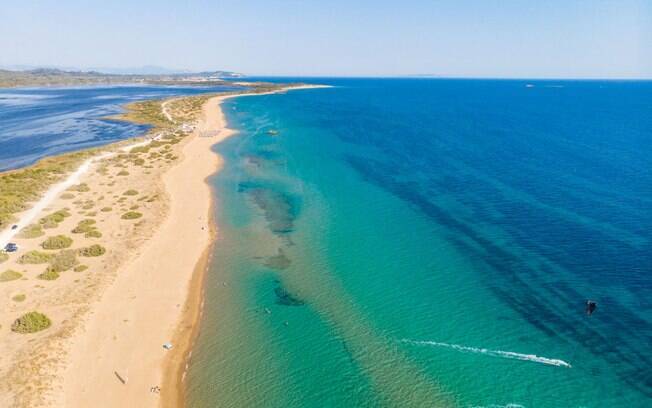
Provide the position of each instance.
(494, 353)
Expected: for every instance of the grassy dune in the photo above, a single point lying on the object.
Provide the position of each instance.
(19, 188)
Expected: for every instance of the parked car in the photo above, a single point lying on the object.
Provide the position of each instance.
(11, 247)
(13, 227)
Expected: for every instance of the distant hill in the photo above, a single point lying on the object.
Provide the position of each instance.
(55, 76)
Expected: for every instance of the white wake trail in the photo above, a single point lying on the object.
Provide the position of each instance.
(493, 353)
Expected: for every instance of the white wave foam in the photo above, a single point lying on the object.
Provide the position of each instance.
(493, 353)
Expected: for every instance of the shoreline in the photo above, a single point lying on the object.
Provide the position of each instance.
(176, 365)
(134, 300)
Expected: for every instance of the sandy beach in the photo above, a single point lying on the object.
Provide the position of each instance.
(113, 314)
(140, 311)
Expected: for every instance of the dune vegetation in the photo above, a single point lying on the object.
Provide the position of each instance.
(91, 251)
(80, 268)
(63, 261)
(57, 242)
(88, 228)
(53, 220)
(131, 215)
(35, 257)
(81, 188)
(31, 322)
(31, 231)
(10, 275)
(19, 188)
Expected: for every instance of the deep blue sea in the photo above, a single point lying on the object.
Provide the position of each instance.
(397, 243)
(39, 122)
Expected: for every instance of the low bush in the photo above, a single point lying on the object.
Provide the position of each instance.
(35, 257)
(93, 234)
(80, 268)
(53, 220)
(57, 242)
(81, 188)
(31, 231)
(10, 275)
(131, 215)
(63, 261)
(130, 193)
(49, 274)
(88, 228)
(3, 257)
(93, 250)
(31, 322)
(19, 298)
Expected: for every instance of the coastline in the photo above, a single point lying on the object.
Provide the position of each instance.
(176, 364)
(134, 300)
(136, 352)
(187, 327)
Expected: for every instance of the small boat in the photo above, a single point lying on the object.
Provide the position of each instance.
(272, 132)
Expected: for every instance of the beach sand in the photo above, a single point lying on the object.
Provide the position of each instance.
(142, 309)
(110, 321)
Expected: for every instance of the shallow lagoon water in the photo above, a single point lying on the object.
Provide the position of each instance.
(432, 243)
(40, 122)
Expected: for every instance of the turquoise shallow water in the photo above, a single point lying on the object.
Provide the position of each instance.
(432, 243)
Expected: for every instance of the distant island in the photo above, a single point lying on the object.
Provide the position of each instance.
(58, 77)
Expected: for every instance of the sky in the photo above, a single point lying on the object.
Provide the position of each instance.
(504, 39)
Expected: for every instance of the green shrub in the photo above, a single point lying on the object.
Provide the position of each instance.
(93, 234)
(57, 242)
(93, 250)
(87, 227)
(53, 220)
(131, 215)
(10, 275)
(130, 193)
(19, 188)
(49, 274)
(63, 261)
(31, 231)
(3, 256)
(123, 173)
(35, 257)
(67, 196)
(84, 226)
(80, 268)
(82, 188)
(19, 298)
(31, 322)
(106, 209)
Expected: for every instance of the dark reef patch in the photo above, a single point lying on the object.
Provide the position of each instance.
(285, 298)
(278, 261)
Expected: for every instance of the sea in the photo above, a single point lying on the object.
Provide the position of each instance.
(431, 243)
(409, 242)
